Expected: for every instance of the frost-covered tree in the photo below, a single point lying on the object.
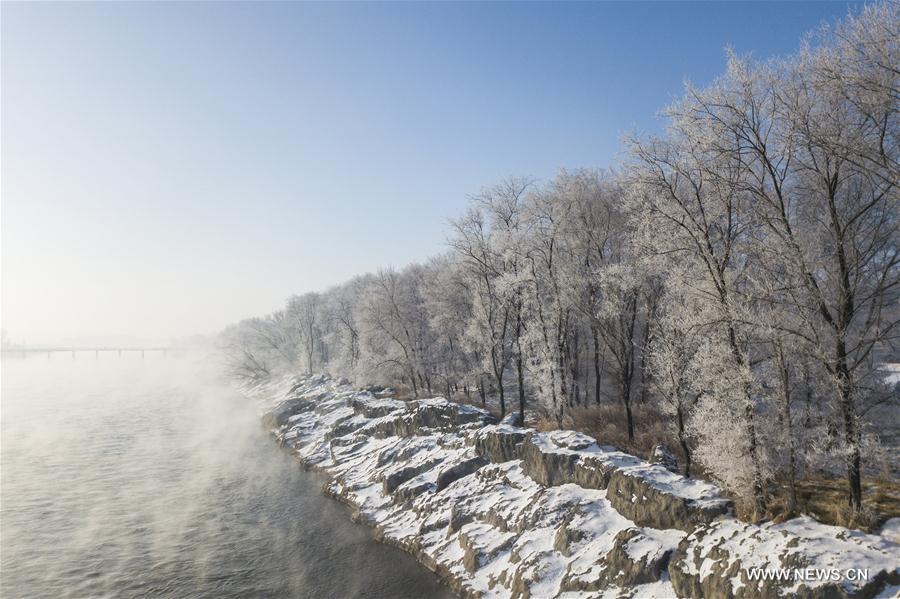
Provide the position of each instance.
(256, 348)
(307, 315)
(546, 304)
(595, 232)
(620, 287)
(447, 297)
(488, 332)
(672, 361)
(813, 140)
(691, 210)
(741, 273)
(397, 336)
(343, 313)
(504, 205)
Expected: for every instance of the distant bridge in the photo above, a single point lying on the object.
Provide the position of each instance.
(49, 350)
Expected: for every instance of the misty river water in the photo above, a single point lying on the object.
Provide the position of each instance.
(123, 477)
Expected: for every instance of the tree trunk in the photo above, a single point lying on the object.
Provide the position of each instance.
(626, 399)
(854, 477)
(597, 368)
(682, 440)
(626, 346)
(564, 397)
(412, 378)
(645, 348)
(759, 501)
(521, 374)
(786, 416)
(520, 370)
(573, 366)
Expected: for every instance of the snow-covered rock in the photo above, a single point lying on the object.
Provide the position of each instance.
(502, 511)
(512, 419)
(800, 557)
(646, 493)
(662, 455)
(500, 443)
(891, 530)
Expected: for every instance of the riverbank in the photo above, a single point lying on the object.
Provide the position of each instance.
(498, 510)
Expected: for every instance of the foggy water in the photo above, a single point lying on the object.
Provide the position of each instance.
(124, 477)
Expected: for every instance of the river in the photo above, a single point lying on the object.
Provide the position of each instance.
(130, 477)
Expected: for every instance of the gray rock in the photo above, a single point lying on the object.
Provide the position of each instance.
(289, 407)
(343, 427)
(476, 554)
(458, 519)
(547, 468)
(375, 408)
(411, 489)
(628, 480)
(593, 472)
(637, 499)
(459, 470)
(512, 419)
(660, 454)
(499, 445)
(623, 566)
(565, 537)
(426, 417)
(398, 477)
(709, 546)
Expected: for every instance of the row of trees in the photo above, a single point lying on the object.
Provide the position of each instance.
(741, 272)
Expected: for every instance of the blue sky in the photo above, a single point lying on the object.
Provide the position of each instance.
(170, 168)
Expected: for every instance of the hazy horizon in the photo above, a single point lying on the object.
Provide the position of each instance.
(171, 168)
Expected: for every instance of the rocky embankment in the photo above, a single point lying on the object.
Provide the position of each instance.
(499, 510)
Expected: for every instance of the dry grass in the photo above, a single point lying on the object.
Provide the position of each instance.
(825, 499)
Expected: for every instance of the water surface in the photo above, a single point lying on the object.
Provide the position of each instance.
(123, 477)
